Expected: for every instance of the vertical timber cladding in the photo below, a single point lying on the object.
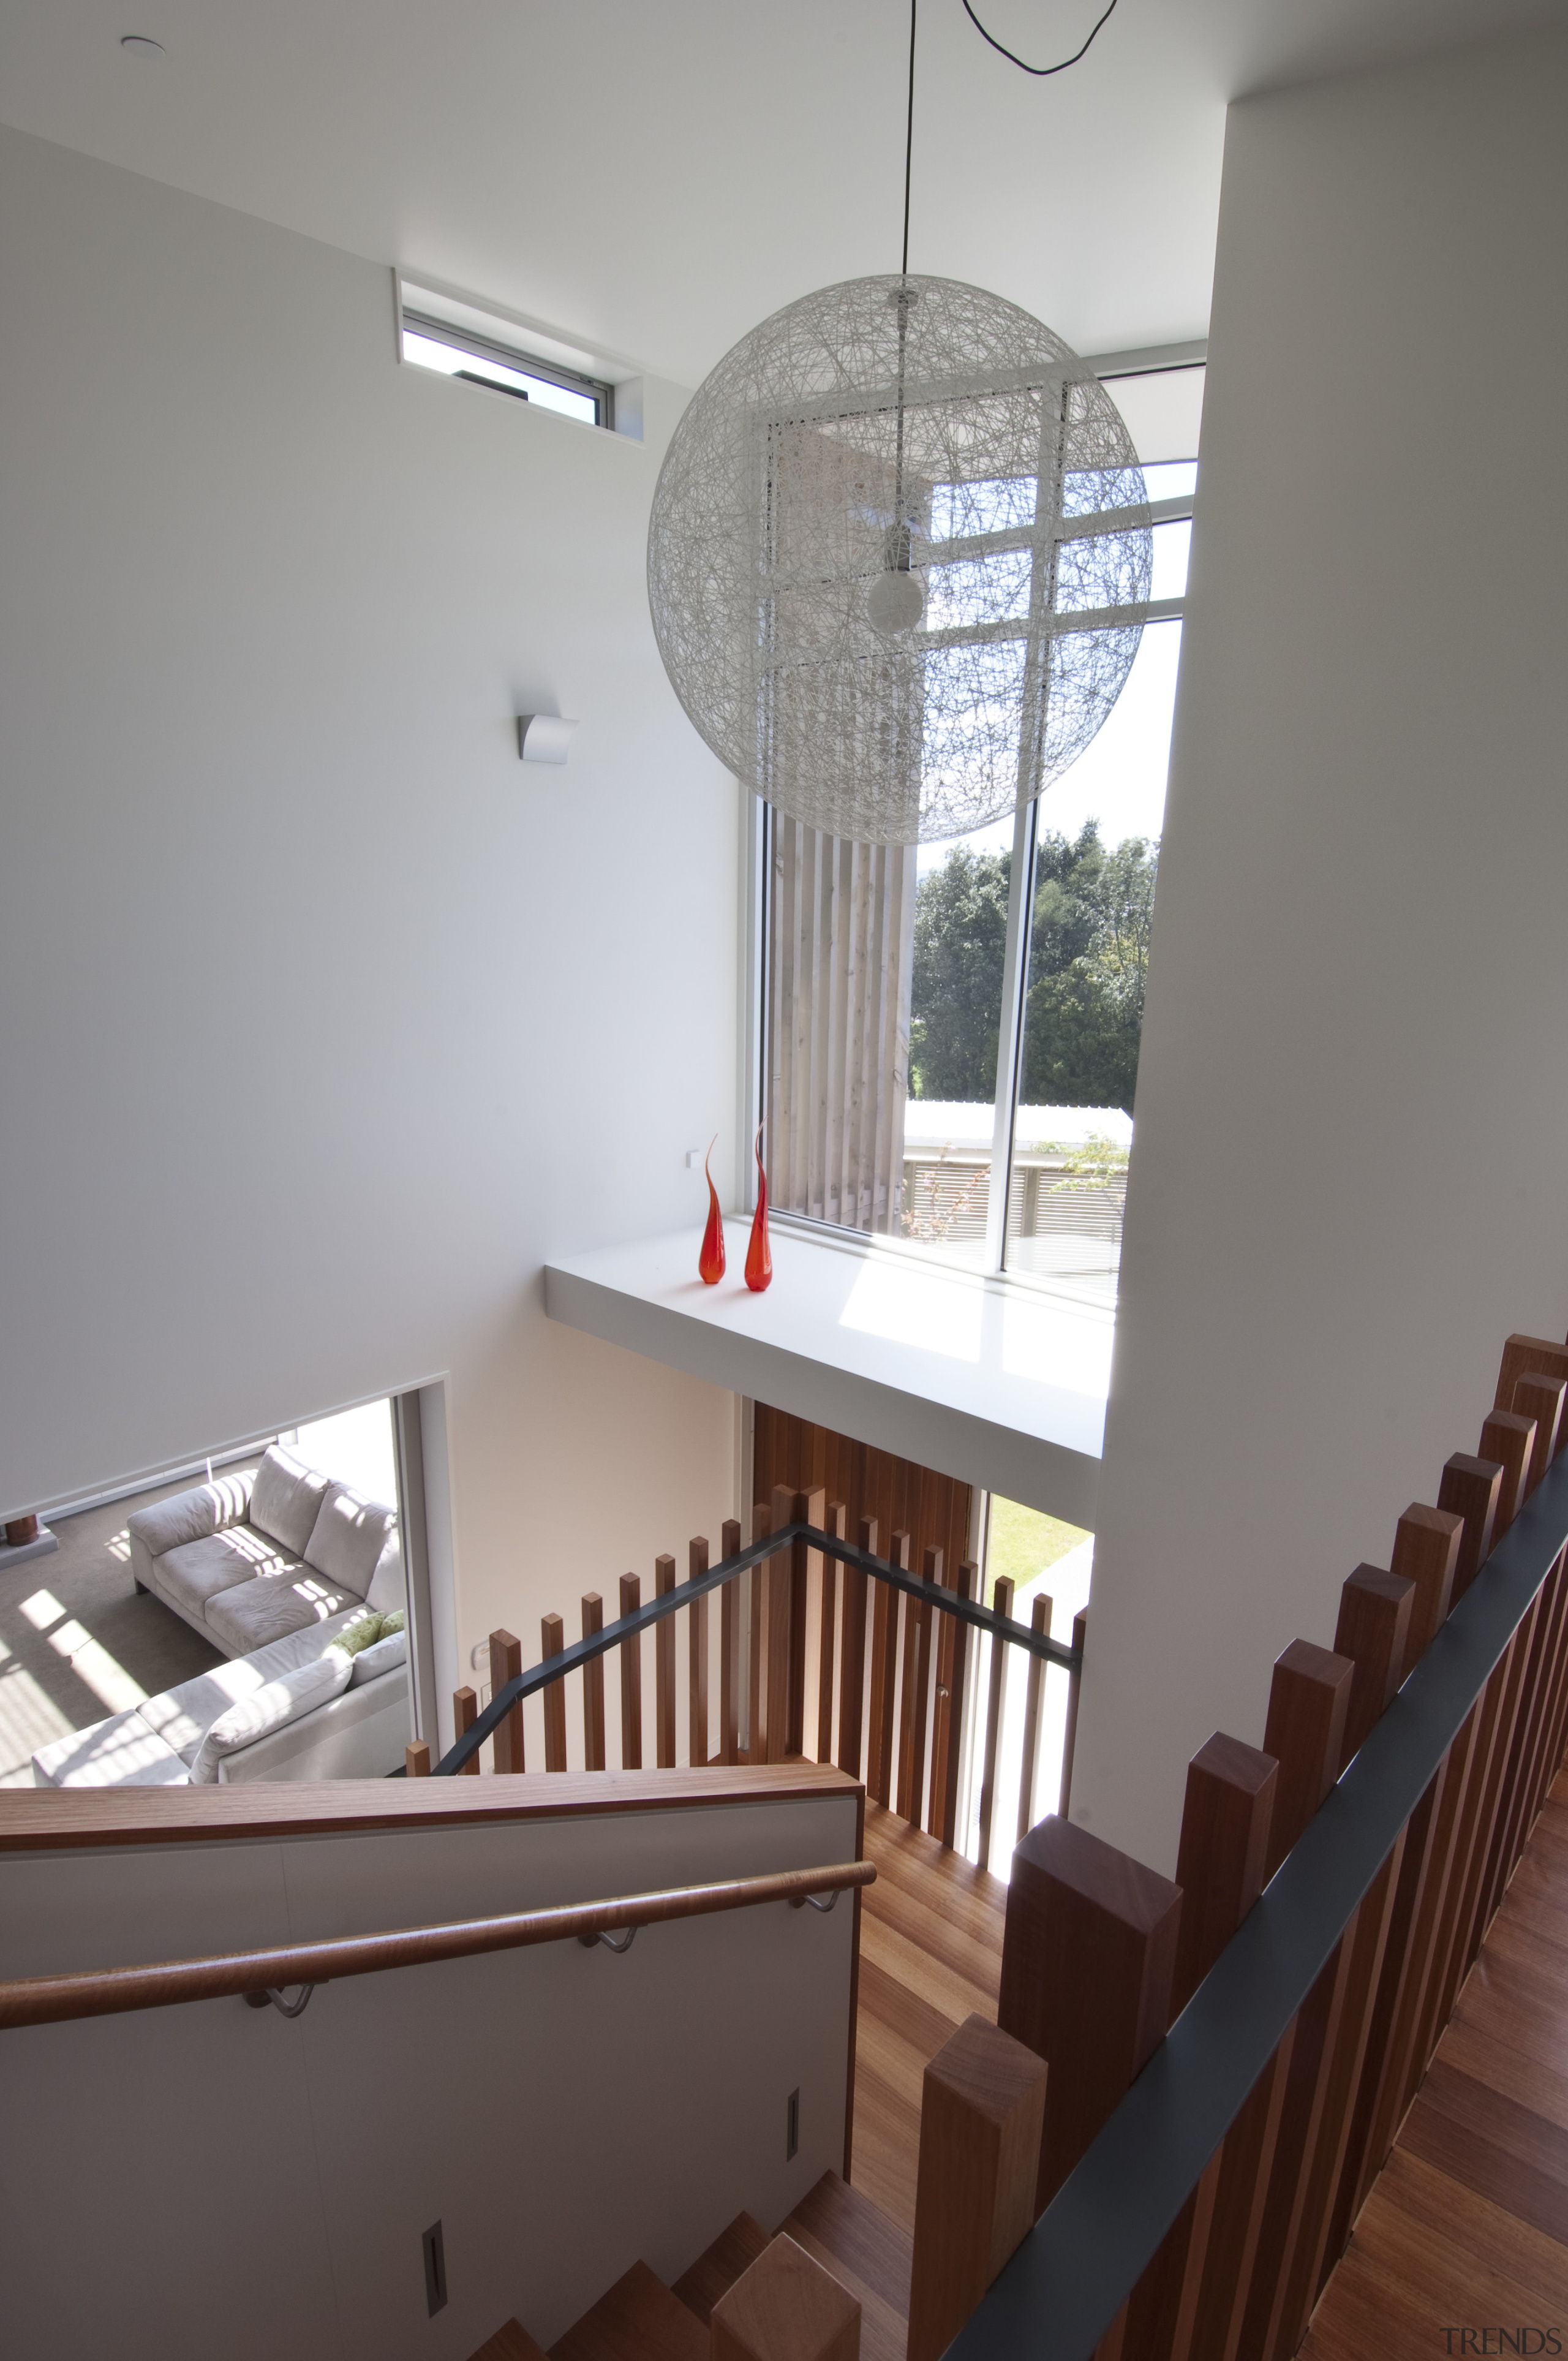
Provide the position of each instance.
(933, 1510)
(840, 959)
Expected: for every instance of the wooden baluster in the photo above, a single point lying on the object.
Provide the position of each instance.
(885, 1678)
(1542, 1398)
(696, 1659)
(784, 1673)
(756, 1725)
(416, 1760)
(784, 2307)
(996, 1705)
(1040, 1611)
(1225, 1841)
(1508, 1440)
(1470, 1487)
(1369, 1621)
(1069, 1732)
(947, 1736)
(1503, 1692)
(1529, 1356)
(1426, 1552)
(465, 1714)
(552, 1641)
(1308, 1706)
(1537, 1635)
(837, 1523)
(806, 1508)
(630, 1654)
(853, 1654)
(982, 2119)
(506, 1664)
(1492, 1719)
(1539, 1763)
(730, 1650)
(664, 1669)
(1405, 2064)
(593, 1686)
(1509, 1437)
(1373, 1631)
(1088, 1952)
(915, 1702)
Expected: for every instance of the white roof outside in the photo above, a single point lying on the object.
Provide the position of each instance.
(964, 1124)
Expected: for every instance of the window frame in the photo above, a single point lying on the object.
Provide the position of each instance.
(757, 918)
(478, 346)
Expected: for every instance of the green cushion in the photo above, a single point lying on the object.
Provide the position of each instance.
(362, 1633)
(391, 1623)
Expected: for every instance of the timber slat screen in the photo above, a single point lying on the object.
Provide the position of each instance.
(934, 1511)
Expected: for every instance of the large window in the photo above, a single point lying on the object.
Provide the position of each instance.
(953, 1029)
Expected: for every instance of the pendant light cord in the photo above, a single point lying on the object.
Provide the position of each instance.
(996, 45)
(909, 134)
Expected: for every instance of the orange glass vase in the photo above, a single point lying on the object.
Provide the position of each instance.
(759, 1260)
(710, 1261)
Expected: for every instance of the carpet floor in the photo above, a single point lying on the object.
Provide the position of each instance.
(78, 1641)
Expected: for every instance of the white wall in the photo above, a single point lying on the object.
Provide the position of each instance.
(322, 1018)
(1352, 1101)
(212, 2178)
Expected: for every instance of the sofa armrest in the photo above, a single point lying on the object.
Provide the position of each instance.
(189, 1516)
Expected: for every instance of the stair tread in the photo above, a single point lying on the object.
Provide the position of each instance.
(866, 2252)
(715, 2272)
(512, 2341)
(636, 2319)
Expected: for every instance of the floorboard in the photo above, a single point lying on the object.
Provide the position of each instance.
(1466, 2228)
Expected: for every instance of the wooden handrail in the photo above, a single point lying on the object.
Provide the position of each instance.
(109, 1992)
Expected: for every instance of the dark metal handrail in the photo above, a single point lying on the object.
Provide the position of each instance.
(258, 1976)
(696, 1585)
(1071, 2275)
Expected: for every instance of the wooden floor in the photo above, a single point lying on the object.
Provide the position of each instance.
(1467, 2225)
(931, 1954)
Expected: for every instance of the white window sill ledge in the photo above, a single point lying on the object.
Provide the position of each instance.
(995, 1384)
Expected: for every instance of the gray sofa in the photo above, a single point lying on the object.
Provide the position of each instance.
(273, 1569)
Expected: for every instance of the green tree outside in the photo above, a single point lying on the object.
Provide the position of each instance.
(1088, 962)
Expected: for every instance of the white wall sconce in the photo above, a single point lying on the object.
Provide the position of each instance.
(543, 737)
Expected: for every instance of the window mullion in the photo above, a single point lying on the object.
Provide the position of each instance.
(1020, 898)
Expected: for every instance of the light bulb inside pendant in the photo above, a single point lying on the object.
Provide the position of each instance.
(894, 603)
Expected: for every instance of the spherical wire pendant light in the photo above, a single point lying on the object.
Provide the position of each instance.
(899, 551)
(888, 543)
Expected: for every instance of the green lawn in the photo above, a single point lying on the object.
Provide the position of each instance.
(1023, 1542)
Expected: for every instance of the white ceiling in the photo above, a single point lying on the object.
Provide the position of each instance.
(653, 176)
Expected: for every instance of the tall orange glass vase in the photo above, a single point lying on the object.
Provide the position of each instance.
(759, 1259)
(710, 1261)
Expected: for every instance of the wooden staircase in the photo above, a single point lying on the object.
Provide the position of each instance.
(641, 2319)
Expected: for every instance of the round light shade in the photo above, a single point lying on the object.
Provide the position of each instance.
(890, 543)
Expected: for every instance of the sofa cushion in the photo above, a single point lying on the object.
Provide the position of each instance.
(197, 1571)
(119, 1752)
(181, 1716)
(382, 1656)
(190, 1516)
(255, 1613)
(285, 1498)
(386, 1590)
(348, 1537)
(271, 1707)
